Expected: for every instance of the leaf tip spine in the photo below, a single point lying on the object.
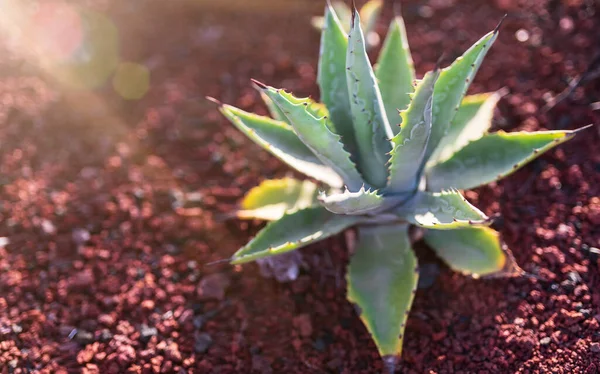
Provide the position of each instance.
(259, 84)
(213, 100)
(397, 9)
(497, 28)
(574, 132)
(439, 61)
(354, 13)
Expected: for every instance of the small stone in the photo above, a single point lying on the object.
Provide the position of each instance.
(213, 286)
(545, 341)
(84, 356)
(90, 369)
(147, 305)
(303, 324)
(595, 347)
(319, 345)
(574, 277)
(83, 279)
(80, 236)
(125, 355)
(147, 332)
(261, 365)
(105, 335)
(106, 319)
(84, 337)
(172, 352)
(585, 312)
(48, 227)
(202, 342)
(198, 321)
(334, 364)
(284, 268)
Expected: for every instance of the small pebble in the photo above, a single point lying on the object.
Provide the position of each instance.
(147, 332)
(202, 342)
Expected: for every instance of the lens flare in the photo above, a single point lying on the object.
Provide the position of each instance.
(56, 31)
(131, 80)
(76, 46)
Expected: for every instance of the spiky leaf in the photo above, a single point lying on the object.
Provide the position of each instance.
(274, 110)
(353, 203)
(315, 133)
(441, 211)
(273, 198)
(371, 127)
(452, 87)
(410, 144)
(475, 251)
(382, 279)
(279, 138)
(472, 120)
(316, 109)
(395, 72)
(331, 77)
(492, 157)
(293, 231)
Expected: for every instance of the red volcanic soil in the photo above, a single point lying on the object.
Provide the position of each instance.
(103, 269)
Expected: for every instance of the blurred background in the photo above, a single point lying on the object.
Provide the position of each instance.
(117, 176)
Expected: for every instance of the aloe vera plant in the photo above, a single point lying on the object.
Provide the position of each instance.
(388, 152)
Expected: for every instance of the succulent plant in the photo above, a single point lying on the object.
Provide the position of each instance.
(380, 177)
(369, 14)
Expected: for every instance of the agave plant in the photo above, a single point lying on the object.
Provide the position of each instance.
(381, 177)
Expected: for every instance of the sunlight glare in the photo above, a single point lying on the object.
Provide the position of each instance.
(78, 47)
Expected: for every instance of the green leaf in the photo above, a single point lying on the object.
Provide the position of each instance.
(331, 78)
(279, 138)
(274, 110)
(472, 120)
(492, 157)
(441, 211)
(474, 251)
(353, 203)
(315, 133)
(275, 197)
(371, 127)
(369, 13)
(395, 72)
(452, 86)
(317, 110)
(292, 231)
(411, 142)
(382, 281)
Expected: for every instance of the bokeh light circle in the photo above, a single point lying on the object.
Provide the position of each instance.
(131, 80)
(79, 47)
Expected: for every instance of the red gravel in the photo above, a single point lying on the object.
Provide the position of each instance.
(105, 268)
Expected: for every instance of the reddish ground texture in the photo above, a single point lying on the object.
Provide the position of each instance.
(105, 268)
